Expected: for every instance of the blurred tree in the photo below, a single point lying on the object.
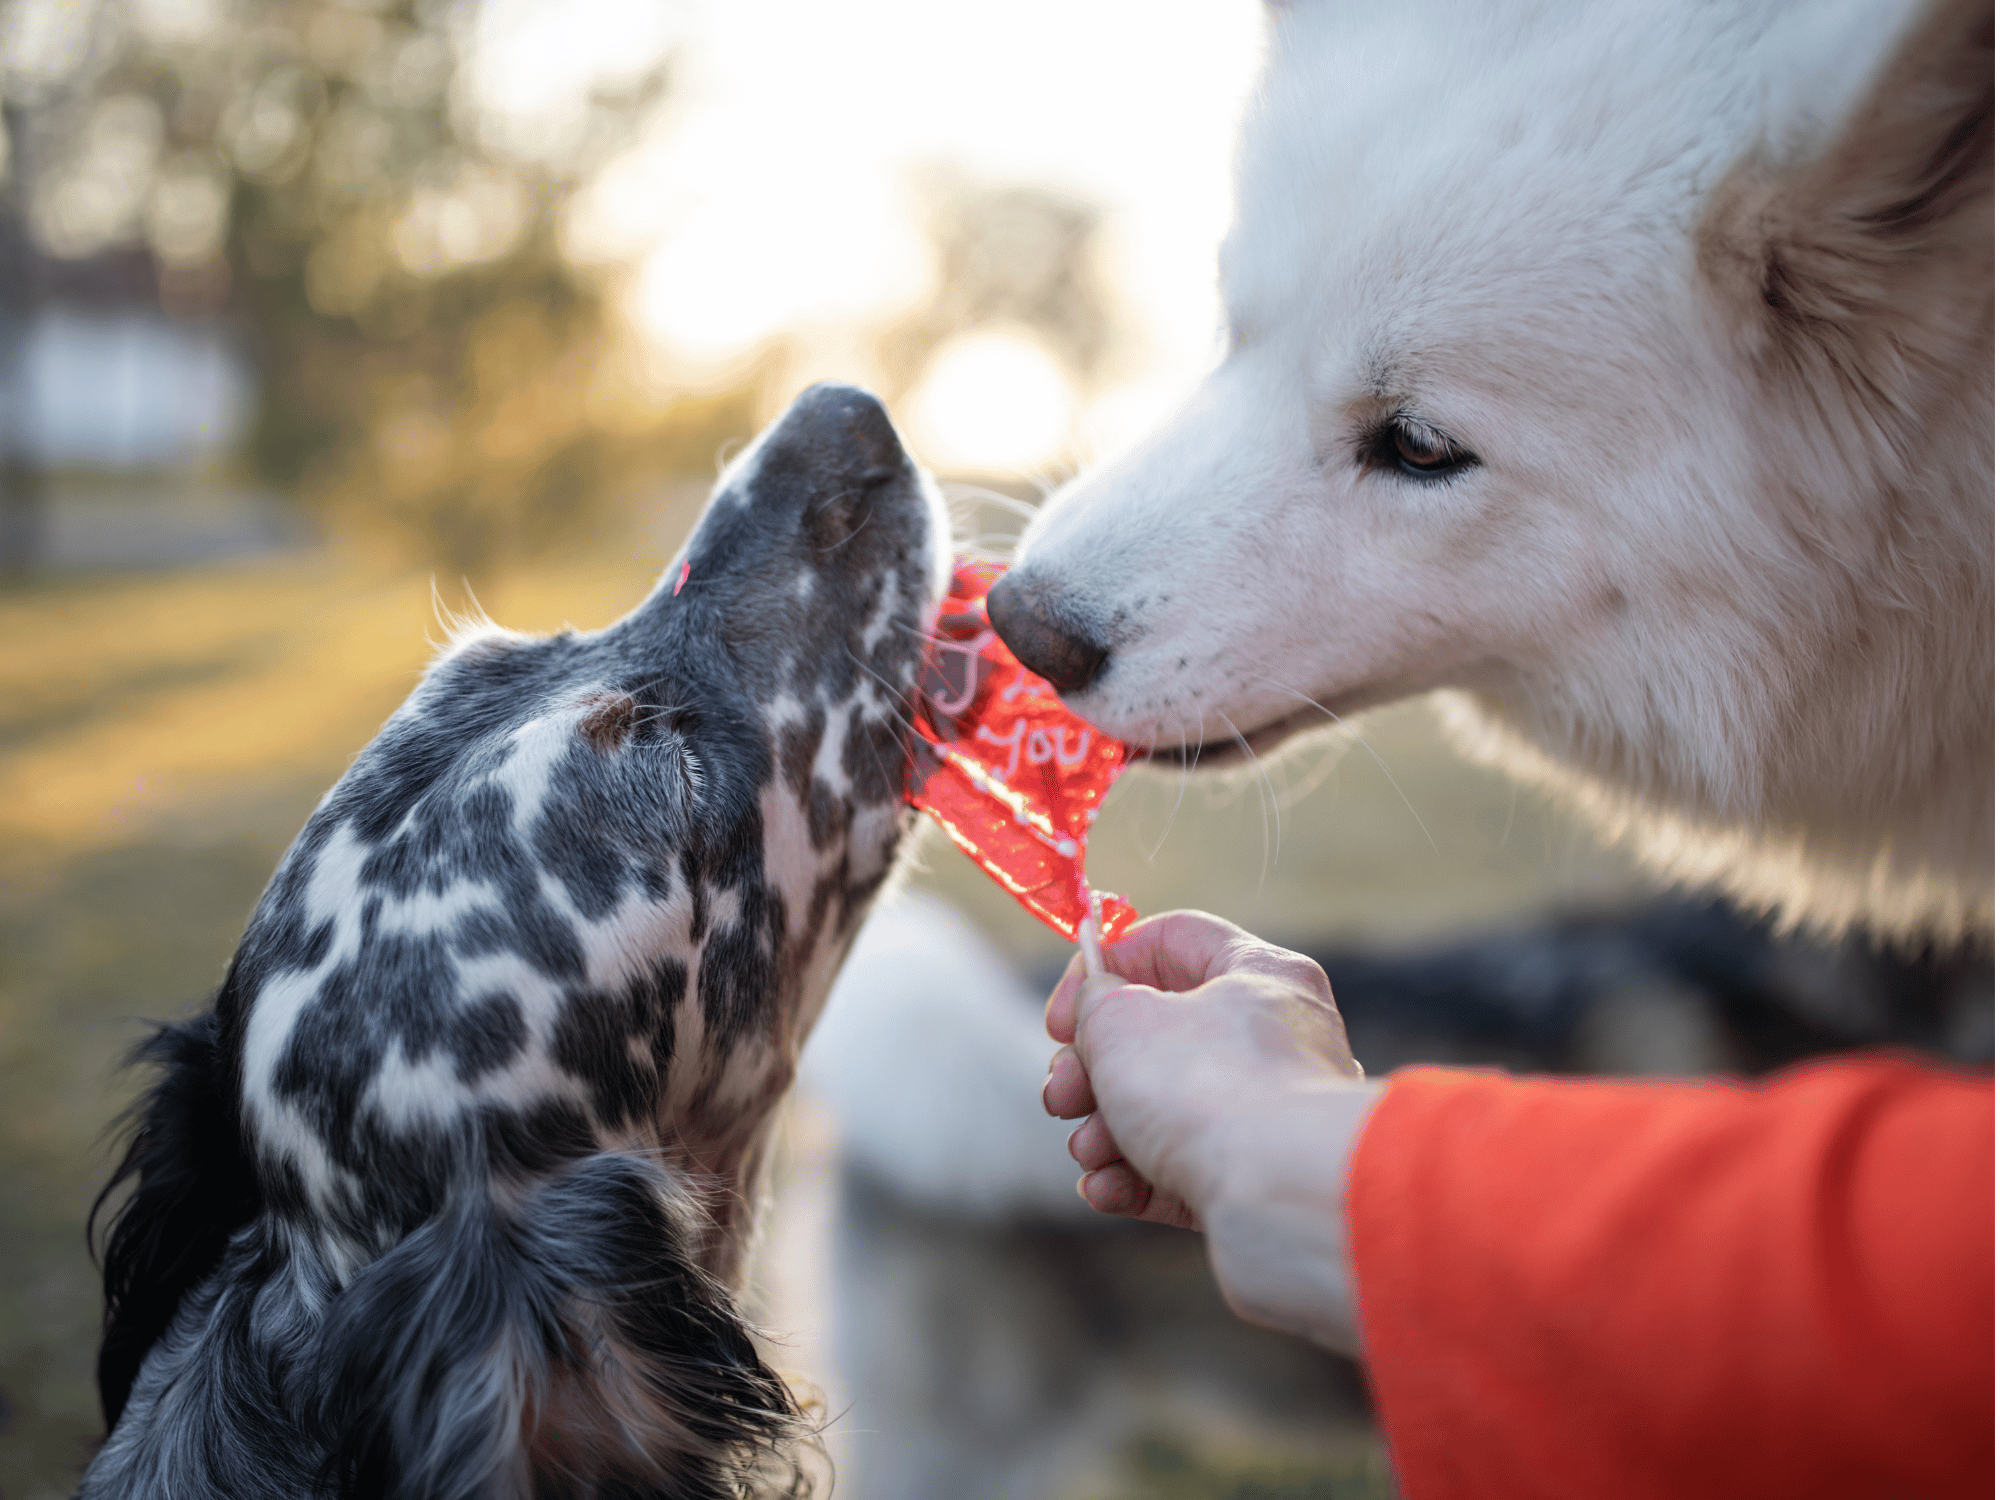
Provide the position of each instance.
(431, 369)
(1009, 256)
(22, 496)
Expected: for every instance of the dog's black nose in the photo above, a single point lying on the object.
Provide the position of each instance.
(838, 431)
(1028, 620)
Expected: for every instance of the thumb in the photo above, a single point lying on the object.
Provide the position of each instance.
(1092, 995)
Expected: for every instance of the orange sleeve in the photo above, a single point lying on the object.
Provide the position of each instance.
(1623, 1291)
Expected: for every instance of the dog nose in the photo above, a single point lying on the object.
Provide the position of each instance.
(1024, 614)
(837, 431)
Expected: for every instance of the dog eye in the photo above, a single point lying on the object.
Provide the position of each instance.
(1416, 449)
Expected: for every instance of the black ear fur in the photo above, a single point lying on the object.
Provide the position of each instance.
(194, 1186)
(568, 1345)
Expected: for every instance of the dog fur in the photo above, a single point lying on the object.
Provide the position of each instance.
(1684, 314)
(448, 1193)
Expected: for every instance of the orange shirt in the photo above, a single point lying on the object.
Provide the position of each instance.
(1629, 1290)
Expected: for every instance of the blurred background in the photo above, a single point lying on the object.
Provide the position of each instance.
(318, 315)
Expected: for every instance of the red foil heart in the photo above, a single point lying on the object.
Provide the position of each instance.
(1013, 776)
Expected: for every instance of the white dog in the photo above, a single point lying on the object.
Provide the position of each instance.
(1625, 368)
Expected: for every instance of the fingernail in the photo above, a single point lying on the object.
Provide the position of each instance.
(1083, 1187)
(1070, 1145)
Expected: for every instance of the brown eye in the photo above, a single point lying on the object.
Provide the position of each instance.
(1419, 450)
(1416, 449)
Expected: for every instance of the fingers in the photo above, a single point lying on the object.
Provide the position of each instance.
(1066, 1093)
(1168, 1209)
(1093, 992)
(1060, 1015)
(1091, 1145)
(1074, 998)
(1177, 950)
(1111, 1185)
(1117, 1189)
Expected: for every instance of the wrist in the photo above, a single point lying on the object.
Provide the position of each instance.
(1274, 1207)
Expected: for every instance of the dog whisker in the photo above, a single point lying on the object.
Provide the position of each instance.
(1312, 702)
(1336, 752)
(1179, 793)
(859, 526)
(983, 496)
(1513, 797)
(1259, 765)
(899, 698)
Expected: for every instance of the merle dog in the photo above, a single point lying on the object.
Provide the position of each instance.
(446, 1194)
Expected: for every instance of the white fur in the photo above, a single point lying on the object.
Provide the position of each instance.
(931, 1056)
(1747, 622)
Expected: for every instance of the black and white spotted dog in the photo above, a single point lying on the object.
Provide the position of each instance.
(446, 1195)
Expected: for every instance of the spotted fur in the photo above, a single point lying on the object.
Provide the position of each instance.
(447, 1193)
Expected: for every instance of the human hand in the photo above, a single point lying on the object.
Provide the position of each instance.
(1219, 1093)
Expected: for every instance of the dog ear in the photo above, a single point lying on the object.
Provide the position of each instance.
(1866, 270)
(567, 1345)
(193, 1187)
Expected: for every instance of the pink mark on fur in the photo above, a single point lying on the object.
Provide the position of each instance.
(678, 582)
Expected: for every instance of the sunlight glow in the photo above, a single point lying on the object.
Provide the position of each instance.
(533, 63)
(735, 273)
(771, 197)
(991, 402)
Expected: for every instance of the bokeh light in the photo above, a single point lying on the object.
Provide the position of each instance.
(992, 402)
(316, 313)
(771, 198)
